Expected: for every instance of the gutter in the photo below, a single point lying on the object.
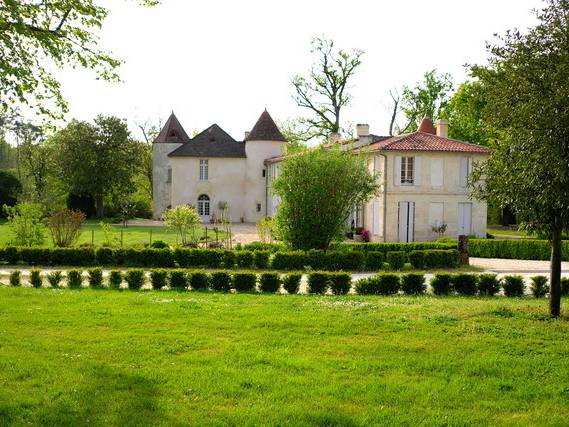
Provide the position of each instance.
(384, 196)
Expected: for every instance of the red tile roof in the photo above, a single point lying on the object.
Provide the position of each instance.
(427, 126)
(172, 132)
(422, 141)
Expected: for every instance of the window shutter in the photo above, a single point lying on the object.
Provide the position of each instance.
(397, 167)
(463, 171)
(437, 173)
(417, 172)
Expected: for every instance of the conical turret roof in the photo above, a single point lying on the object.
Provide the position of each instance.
(172, 132)
(265, 129)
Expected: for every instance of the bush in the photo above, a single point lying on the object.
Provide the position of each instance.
(413, 283)
(105, 256)
(318, 282)
(74, 279)
(291, 282)
(340, 283)
(439, 258)
(158, 278)
(134, 278)
(513, 286)
(488, 284)
(293, 260)
(25, 221)
(374, 260)
(159, 244)
(228, 259)
(396, 259)
(16, 278)
(178, 279)
(199, 280)
(220, 281)
(539, 286)
(270, 282)
(565, 286)
(115, 279)
(380, 284)
(464, 284)
(261, 259)
(54, 278)
(12, 255)
(441, 283)
(244, 281)
(244, 259)
(35, 278)
(416, 258)
(95, 276)
(349, 261)
(65, 227)
(515, 249)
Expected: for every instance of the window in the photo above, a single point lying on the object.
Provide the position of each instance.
(204, 170)
(169, 178)
(407, 170)
(258, 207)
(465, 170)
(264, 173)
(203, 205)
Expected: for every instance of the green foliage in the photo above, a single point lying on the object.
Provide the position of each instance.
(178, 279)
(539, 286)
(74, 279)
(25, 221)
(158, 278)
(565, 286)
(35, 278)
(244, 281)
(514, 249)
(374, 260)
(435, 258)
(220, 281)
(294, 260)
(318, 282)
(65, 227)
(513, 286)
(380, 284)
(413, 284)
(465, 284)
(488, 284)
(318, 188)
(199, 280)
(396, 259)
(441, 283)
(244, 259)
(340, 282)
(159, 244)
(291, 282)
(269, 281)
(10, 189)
(185, 220)
(134, 278)
(15, 278)
(261, 259)
(265, 229)
(95, 277)
(115, 279)
(54, 278)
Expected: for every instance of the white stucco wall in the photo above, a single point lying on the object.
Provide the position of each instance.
(161, 188)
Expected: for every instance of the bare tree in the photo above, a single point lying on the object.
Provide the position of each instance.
(395, 98)
(324, 91)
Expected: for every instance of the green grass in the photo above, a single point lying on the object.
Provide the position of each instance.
(148, 358)
(132, 235)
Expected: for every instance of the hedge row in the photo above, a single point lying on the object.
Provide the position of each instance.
(515, 249)
(360, 247)
(318, 282)
(219, 258)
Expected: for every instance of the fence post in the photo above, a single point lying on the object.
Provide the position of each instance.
(463, 250)
(121, 238)
(151, 236)
(92, 237)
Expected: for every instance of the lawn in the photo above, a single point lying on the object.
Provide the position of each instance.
(132, 235)
(146, 358)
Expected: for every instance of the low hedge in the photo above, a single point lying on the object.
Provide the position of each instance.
(515, 249)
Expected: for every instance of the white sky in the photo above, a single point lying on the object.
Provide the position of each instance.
(224, 61)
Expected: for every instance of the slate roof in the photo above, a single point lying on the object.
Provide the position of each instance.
(212, 142)
(265, 130)
(422, 141)
(172, 132)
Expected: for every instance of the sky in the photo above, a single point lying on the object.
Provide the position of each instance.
(224, 62)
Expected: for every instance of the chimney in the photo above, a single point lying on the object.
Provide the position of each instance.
(334, 137)
(362, 129)
(247, 133)
(426, 126)
(442, 128)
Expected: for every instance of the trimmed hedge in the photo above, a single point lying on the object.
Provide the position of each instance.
(54, 278)
(134, 278)
(380, 284)
(269, 281)
(441, 283)
(244, 281)
(565, 286)
(158, 278)
(291, 282)
(340, 282)
(489, 284)
(115, 279)
(220, 281)
(396, 259)
(413, 284)
(74, 279)
(465, 284)
(318, 282)
(513, 286)
(16, 278)
(199, 280)
(95, 277)
(35, 278)
(515, 249)
(178, 279)
(539, 286)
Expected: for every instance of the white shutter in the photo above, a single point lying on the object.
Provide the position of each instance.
(397, 170)
(411, 230)
(417, 172)
(436, 173)
(403, 212)
(375, 223)
(464, 169)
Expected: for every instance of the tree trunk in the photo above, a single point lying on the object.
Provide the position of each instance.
(99, 205)
(555, 272)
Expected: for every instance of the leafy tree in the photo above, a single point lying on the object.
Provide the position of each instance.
(427, 99)
(10, 188)
(65, 227)
(185, 220)
(525, 86)
(96, 159)
(38, 34)
(25, 221)
(324, 92)
(318, 188)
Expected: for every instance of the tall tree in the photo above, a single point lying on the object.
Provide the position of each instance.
(525, 86)
(324, 92)
(38, 34)
(427, 99)
(96, 159)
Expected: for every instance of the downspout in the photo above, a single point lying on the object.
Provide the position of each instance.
(384, 196)
(266, 188)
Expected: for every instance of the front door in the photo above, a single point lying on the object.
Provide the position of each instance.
(203, 207)
(464, 219)
(406, 221)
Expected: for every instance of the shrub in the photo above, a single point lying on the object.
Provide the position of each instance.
(244, 259)
(291, 282)
(293, 260)
(158, 278)
(514, 249)
(185, 220)
(318, 282)
(178, 279)
(340, 283)
(407, 267)
(488, 284)
(65, 227)
(134, 278)
(95, 276)
(12, 255)
(413, 283)
(396, 259)
(16, 278)
(54, 278)
(374, 260)
(565, 286)
(159, 244)
(105, 256)
(441, 283)
(74, 279)
(513, 286)
(380, 284)
(261, 259)
(439, 258)
(270, 282)
(228, 259)
(199, 280)
(115, 279)
(416, 258)
(539, 286)
(25, 221)
(244, 281)
(220, 281)
(464, 284)
(35, 278)
(35, 256)
(349, 261)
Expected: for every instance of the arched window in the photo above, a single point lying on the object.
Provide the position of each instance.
(203, 205)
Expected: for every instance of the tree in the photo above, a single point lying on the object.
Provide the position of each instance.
(525, 86)
(318, 188)
(185, 220)
(96, 159)
(426, 99)
(10, 189)
(25, 221)
(36, 35)
(325, 90)
(65, 227)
